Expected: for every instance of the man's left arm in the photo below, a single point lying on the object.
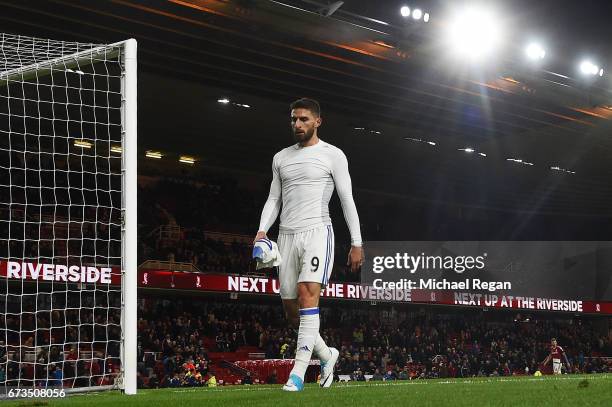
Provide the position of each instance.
(342, 180)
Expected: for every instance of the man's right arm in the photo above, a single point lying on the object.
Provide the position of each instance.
(273, 204)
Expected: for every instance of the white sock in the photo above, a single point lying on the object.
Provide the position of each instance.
(321, 349)
(307, 336)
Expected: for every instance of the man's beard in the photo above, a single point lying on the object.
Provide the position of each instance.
(303, 137)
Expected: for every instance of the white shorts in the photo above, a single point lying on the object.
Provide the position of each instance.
(307, 257)
(556, 366)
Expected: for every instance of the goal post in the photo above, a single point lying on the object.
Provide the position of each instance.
(68, 215)
(130, 227)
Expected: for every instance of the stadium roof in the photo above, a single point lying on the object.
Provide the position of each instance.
(400, 111)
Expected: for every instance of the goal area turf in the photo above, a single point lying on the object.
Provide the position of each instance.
(567, 390)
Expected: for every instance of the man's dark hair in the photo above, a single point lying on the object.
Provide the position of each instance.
(305, 103)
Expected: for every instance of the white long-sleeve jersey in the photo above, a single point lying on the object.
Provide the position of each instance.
(304, 178)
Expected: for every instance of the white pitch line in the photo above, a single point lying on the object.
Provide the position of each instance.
(411, 383)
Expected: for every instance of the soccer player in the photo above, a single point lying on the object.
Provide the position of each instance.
(556, 352)
(303, 180)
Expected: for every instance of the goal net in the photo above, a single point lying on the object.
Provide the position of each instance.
(67, 215)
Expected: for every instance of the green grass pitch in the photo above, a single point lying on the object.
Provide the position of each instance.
(560, 391)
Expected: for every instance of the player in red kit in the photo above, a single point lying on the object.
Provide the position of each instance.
(556, 353)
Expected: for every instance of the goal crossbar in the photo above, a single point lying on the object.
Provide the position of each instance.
(44, 68)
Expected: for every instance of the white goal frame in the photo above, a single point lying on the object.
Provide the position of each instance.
(127, 52)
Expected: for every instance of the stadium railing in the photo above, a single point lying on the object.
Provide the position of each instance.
(169, 265)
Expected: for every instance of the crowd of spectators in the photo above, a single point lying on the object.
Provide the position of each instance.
(194, 217)
(60, 339)
(388, 344)
(218, 256)
(205, 253)
(456, 345)
(218, 204)
(176, 336)
(46, 345)
(222, 204)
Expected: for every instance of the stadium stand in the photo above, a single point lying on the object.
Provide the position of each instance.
(198, 341)
(410, 344)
